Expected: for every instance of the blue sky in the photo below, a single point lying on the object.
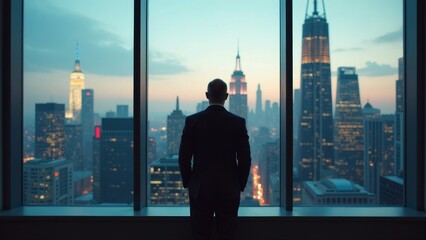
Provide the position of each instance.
(192, 42)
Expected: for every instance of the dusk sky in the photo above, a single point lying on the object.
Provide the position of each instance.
(192, 42)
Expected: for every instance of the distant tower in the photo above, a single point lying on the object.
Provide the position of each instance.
(387, 166)
(87, 127)
(49, 131)
(73, 114)
(399, 120)
(116, 160)
(122, 111)
(238, 90)
(373, 145)
(349, 129)
(175, 123)
(316, 123)
(259, 111)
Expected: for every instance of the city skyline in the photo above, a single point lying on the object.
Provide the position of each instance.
(174, 64)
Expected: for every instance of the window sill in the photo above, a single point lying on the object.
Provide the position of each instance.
(244, 212)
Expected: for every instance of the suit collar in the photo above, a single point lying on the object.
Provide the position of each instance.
(215, 107)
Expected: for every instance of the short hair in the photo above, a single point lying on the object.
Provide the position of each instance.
(217, 90)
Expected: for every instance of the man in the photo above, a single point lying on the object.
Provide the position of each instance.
(218, 142)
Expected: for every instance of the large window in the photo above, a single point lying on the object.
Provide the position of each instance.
(349, 85)
(191, 43)
(78, 102)
(348, 103)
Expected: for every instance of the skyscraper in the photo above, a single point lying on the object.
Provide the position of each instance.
(399, 119)
(87, 127)
(73, 146)
(49, 131)
(97, 164)
(373, 145)
(175, 123)
(259, 110)
(387, 166)
(116, 160)
(349, 130)
(48, 182)
(316, 123)
(122, 111)
(73, 114)
(238, 91)
(165, 183)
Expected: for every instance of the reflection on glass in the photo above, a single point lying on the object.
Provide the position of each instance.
(192, 43)
(352, 156)
(78, 66)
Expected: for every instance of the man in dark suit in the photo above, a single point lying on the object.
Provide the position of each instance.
(218, 142)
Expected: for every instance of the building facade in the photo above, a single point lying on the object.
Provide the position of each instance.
(348, 127)
(48, 182)
(116, 160)
(49, 131)
(316, 122)
(73, 113)
(238, 91)
(165, 183)
(87, 127)
(175, 124)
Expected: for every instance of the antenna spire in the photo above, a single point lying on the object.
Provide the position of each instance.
(315, 7)
(77, 56)
(177, 103)
(238, 60)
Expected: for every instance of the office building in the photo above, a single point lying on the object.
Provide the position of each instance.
(336, 192)
(391, 190)
(175, 124)
(73, 146)
(348, 127)
(316, 121)
(122, 111)
(387, 166)
(87, 127)
(73, 114)
(48, 182)
(238, 91)
(373, 145)
(49, 131)
(399, 120)
(165, 183)
(116, 160)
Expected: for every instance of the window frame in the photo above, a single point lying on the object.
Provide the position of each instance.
(11, 100)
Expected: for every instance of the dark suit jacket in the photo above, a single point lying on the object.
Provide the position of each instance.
(218, 142)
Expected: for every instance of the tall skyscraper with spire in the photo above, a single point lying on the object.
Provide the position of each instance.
(238, 90)
(259, 110)
(175, 123)
(349, 128)
(73, 114)
(316, 122)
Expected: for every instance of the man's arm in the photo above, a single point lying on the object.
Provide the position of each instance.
(243, 156)
(185, 154)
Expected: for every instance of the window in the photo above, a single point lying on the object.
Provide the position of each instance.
(236, 41)
(12, 72)
(348, 101)
(78, 102)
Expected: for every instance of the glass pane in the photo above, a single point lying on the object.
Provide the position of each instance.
(192, 43)
(348, 102)
(78, 69)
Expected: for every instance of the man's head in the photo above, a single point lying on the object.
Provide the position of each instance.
(217, 91)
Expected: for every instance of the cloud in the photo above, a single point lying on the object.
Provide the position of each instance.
(164, 64)
(51, 34)
(347, 49)
(395, 36)
(374, 69)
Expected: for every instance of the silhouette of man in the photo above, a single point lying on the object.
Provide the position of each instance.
(218, 142)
